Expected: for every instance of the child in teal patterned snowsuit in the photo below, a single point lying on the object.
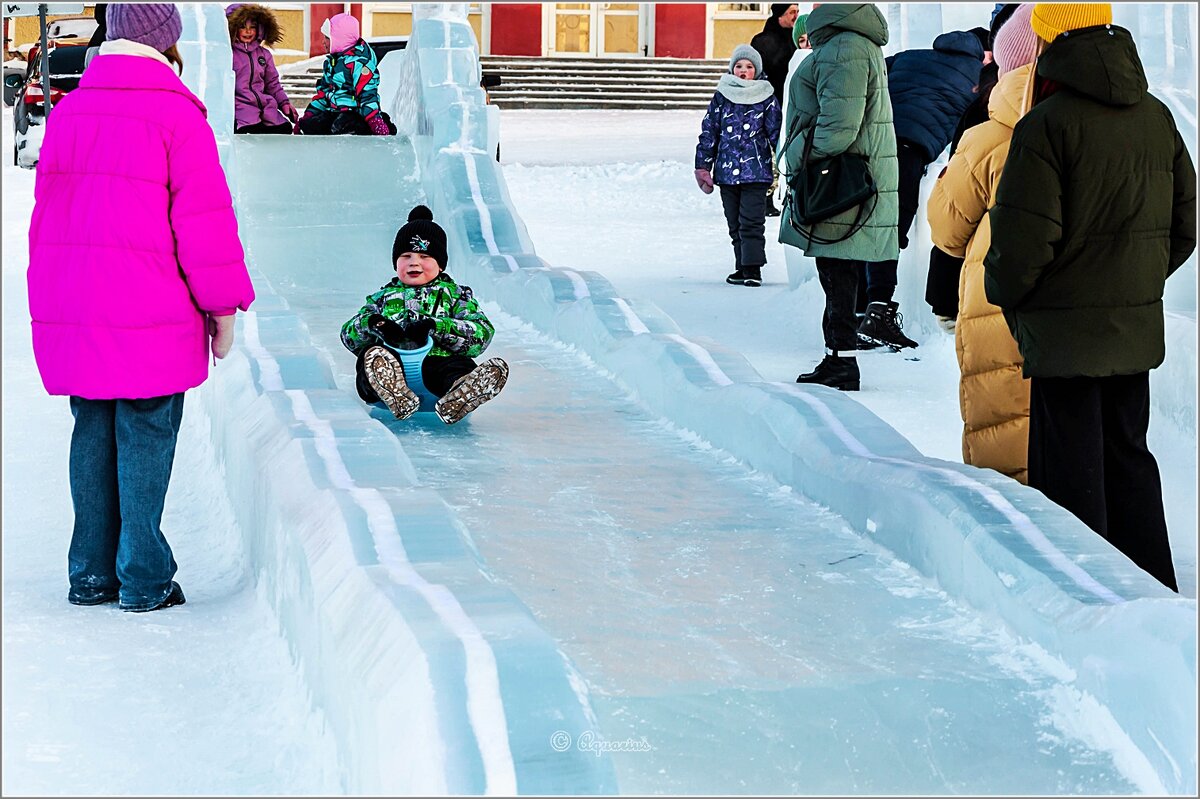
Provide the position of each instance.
(347, 98)
(421, 303)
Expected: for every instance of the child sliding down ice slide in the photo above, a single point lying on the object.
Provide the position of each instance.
(421, 303)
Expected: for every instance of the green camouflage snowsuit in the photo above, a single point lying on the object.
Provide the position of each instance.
(461, 328)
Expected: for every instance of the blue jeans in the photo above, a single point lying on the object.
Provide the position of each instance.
(121, 455)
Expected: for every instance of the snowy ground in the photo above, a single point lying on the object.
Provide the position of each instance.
(216, 684)
(626, 178)
(201, 699)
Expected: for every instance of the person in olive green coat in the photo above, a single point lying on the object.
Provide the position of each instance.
(839, 97)
(1094, 210)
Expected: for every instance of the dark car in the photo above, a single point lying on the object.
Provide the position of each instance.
(29, 112)
(382, 45)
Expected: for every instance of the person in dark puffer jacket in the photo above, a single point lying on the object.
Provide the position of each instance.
(930, 90)
(737, 135)
(1095, 209)
(941, 284)
(775, 44)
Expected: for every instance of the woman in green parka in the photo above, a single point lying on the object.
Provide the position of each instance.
(839, 97)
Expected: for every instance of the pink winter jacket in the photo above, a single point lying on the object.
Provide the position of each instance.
(133, 239)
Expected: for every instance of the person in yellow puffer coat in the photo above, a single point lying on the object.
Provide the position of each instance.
(993, 396)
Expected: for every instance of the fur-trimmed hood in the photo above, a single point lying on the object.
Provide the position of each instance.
(269, 31)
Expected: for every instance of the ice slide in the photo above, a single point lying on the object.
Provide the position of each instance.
(573, 592)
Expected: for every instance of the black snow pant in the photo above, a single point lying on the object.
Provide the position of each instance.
(877, 282)
(438, 373)
(263, 127)
(745, 207)
(839, 279)
(339, 123)
(1088, 453)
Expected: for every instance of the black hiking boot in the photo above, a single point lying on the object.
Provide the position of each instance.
(881, 326)
(746, 276)
(835, 372)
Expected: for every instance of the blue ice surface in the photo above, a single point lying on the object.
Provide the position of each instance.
(852, 618)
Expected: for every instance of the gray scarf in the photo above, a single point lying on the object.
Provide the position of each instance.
(743, 92)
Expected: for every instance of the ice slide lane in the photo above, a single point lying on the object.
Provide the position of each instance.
(748, 637)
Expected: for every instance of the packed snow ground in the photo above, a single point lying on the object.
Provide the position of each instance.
(200, 699)
(621, 182)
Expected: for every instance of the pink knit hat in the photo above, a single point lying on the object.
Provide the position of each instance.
(1016, 44)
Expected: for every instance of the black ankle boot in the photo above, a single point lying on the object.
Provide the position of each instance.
(738, 278)
(751, 275)
(835, 372)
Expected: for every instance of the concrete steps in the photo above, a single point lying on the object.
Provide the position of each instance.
(603, 83)
(592, 83)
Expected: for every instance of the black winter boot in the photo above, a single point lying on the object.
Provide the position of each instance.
(835, 372)
(751, 275)
(738, 278)
(881, 326)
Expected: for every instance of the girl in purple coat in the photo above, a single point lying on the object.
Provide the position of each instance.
(260, 103)
(734, 152)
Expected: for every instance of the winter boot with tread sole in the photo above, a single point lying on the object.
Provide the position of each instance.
(472, 390)
(385, 373)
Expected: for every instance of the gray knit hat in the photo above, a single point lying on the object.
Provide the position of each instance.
(750, 54)
(156, 25)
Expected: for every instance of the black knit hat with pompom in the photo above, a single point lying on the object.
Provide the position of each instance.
(421, 234)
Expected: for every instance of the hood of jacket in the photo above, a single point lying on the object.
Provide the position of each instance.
(269, 31)
(135, 73)
(829, 19)
(1009, 99)
(1100, 62)
(343, 33)
(959, 42)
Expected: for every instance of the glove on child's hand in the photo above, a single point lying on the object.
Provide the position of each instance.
(290, 112)
(704, 180)
(378, 126)
(391, 332)
(946, 323)
(421, 329)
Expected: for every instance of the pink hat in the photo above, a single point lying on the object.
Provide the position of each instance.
(343, 32)
(1016, 44)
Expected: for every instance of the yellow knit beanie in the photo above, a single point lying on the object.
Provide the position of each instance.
(1052, 19)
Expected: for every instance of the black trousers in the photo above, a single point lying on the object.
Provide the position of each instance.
(745, 207)
(340, 123)
(878, 283)
(1088, 453)
(438, 372)
(839, 279)
(263, 127)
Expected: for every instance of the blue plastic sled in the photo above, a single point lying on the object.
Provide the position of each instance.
(412, 360)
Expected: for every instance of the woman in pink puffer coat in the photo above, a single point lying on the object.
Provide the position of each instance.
(134, 262)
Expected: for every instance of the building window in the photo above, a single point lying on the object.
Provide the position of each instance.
(741, 10)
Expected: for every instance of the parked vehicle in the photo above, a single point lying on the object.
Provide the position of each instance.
(382, 45)
(14, 78)
(72, 28)
(29, 113)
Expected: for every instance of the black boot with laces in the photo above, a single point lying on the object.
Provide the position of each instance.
(881, 326)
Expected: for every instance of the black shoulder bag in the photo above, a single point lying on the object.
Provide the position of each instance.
(825, 187)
